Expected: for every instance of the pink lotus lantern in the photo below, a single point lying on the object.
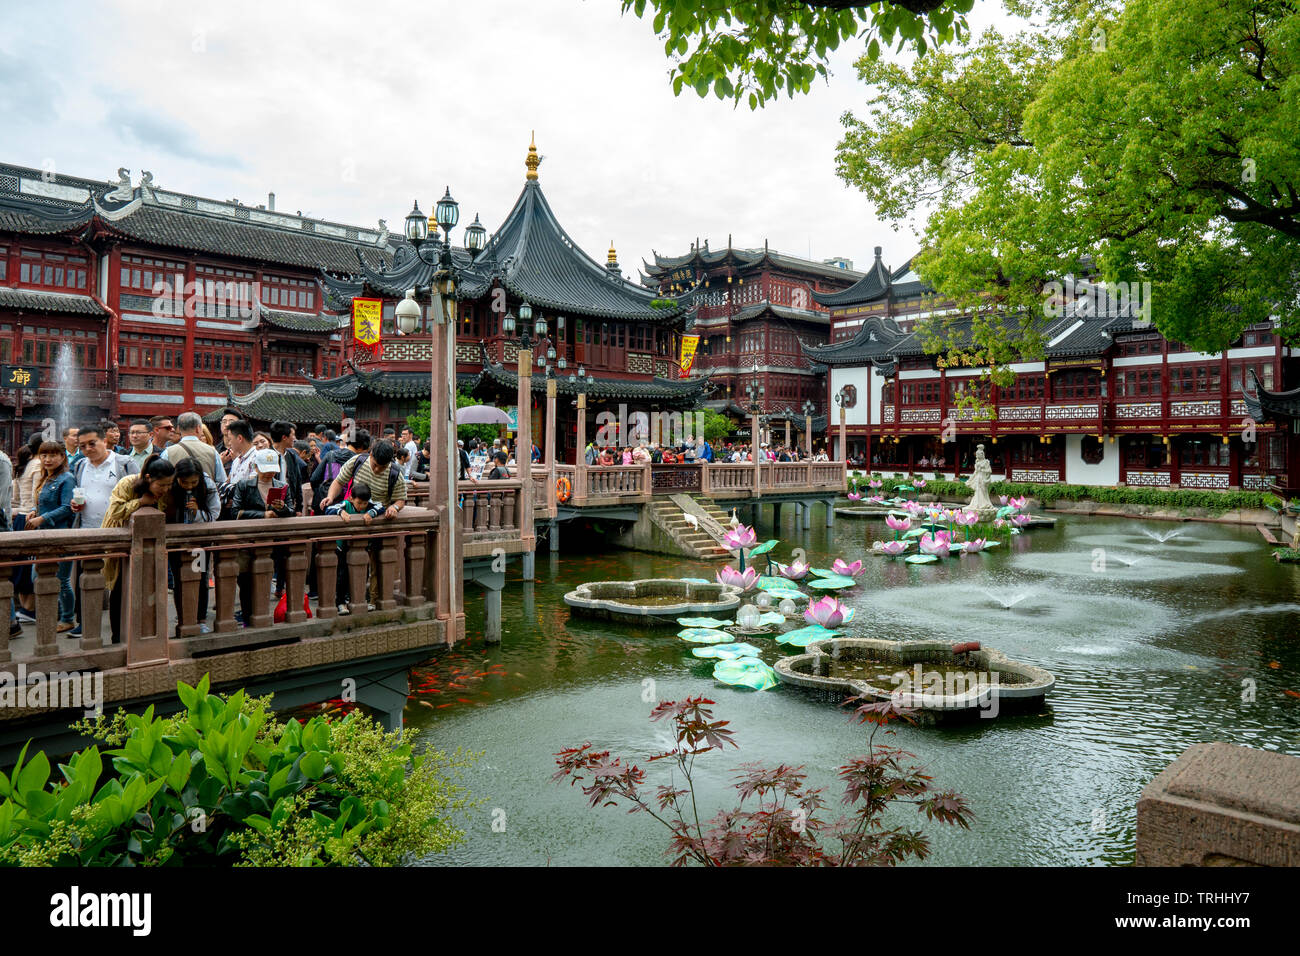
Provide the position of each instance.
(1000, 523)
(919, 483)
(828, 612)
(876, 483)
(853, 496)
(848, 570)
(877, 499)
(1003, 499)
(898, 524)
(796, 570)
(894, 548)
(936, 544)
(973, 545)
(1020, 520)
(1018, 502)
(740, 538)
(745, 580)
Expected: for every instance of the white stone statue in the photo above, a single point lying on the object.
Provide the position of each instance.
(979, 481)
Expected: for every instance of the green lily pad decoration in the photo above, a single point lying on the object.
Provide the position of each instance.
(698, 581)
(704, 635)
(702, 622)
(770, 617)
(807, 635)
(905, 488)
(914, 532)
(957, 546)
(745, 672)
(822, 572)
(921, 559)
(765, 547)
(780, 594)
(833, 583)
(771, 582)
(991, 544)
(726, 652)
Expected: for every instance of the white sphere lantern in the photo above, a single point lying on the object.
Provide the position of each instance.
(407, 313)
(747, 617)
(763, 600)
(787, 607)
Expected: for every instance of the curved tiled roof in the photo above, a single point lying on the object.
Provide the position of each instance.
(300, 321)
(32, 300)
(870, 287)
(534, 258)
(877, 338)
(271, 402)
(36, 219)
(1284, 406)
(702, 258)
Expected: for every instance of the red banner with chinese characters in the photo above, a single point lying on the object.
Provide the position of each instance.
(366, 317)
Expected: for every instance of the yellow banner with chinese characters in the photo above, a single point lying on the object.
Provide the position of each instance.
(689, 344)
(366, 316)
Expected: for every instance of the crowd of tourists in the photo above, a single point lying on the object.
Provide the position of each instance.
(93, 479)
(690, 453)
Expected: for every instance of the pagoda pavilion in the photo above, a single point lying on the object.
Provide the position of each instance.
(610, 338)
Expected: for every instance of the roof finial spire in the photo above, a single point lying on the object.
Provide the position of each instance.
(611, 262)
(532, 161)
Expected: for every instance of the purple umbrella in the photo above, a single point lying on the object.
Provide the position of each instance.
(481, 415)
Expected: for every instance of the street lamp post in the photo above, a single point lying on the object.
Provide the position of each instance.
(524, 437)
(446, 562)
(808, 409)
(551, 364)
(754, 409)
(840, 398)
(580, 459)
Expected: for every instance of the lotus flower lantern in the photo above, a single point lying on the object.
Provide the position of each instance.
(828, 612)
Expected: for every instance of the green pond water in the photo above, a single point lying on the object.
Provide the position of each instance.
(1165, 645)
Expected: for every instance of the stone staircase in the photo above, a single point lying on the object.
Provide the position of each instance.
(704, 542)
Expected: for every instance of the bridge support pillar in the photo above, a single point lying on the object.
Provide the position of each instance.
(830, 513)
(776, 519)
(807, 515)
(553, 536)
(529, 565)
(492, 616)
(755, 514)
(386, 697)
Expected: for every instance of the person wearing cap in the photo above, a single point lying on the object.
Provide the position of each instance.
(248, 502)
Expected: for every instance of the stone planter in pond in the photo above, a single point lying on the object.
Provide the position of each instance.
(935, 680)
(651, 601)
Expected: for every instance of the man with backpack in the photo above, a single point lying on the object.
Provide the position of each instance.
(323, 477)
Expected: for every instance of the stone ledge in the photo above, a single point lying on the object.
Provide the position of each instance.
(1221, 804)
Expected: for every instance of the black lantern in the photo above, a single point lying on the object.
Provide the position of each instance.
(448, 212)
(417, 227)
(475, 237)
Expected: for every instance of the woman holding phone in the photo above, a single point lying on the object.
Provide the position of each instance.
(149, 489)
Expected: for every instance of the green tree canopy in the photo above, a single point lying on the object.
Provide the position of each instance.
(1158, 141)
(750, 50)
(419, 422)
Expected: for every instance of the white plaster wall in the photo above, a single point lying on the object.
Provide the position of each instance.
(1079, 472)
(859, 378)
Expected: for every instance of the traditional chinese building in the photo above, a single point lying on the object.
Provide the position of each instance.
(624, 337)
(161, 301)
(1112, 402)
(756, 310)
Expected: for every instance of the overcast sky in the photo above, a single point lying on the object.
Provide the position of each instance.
(348, 111)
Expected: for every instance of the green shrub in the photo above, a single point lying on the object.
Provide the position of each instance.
(222, 783)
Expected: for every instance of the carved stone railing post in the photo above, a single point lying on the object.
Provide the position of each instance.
(144, 603)
(6, 600)
(295, 584)
(327, 564)
(225, 578)
(189, 589)
(263, 568)
(92, 603)
(358, 564)
(494, 521)
(46, 589)
(387, 571)
(414, 569)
